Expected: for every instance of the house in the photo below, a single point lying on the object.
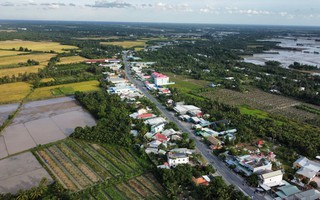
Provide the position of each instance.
(175, 137)
(183, 150)
(254, 164)
(154, 121)
(154, 144)
(211, 132)
(260, 143)
(165, 91)
(169, 132)
(175, 159)
(215, 143)
(271, 179)
(151, 150)
(158, 127)
(203, 180)
(195, 120)
(287, 190)
(146, 116)
(160, 137)
(306, 195)
(116, 80)
(307, 168)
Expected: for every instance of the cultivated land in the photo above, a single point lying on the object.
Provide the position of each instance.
(140, 187)
(186, 84)
(78, 164)
(42, 122)
(45, 80)
(70, 60)
(62, 90)
(42, 58)
(127, 44)
(10, 53)
(5, 111)
(257, 99)
(22, 171)
(20, 70)
(13, 92)
(35, 46)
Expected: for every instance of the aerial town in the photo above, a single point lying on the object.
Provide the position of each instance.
(125, 110)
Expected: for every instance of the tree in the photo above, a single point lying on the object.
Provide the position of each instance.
(253, 180)
(313, 184)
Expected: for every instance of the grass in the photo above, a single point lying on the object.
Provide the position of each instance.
(13, 92)
(246, 110)
(127, 44)
(186, 84)
(64, 89)
(70, 60)
(36, 46)
(10, 53)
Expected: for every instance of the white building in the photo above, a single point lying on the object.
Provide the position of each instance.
(175, 159)
(183, 109)
(154, 121)
(307, 168)
(158, 127)
(271, 179)
(160, 79)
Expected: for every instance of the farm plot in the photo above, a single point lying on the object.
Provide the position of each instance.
(78, 164)
(22, 171)
(36, 46)
(70, 60)
(10, 53)
(257, 99)
(141, 187)
(13, 92)
(42, 58)
(127, 44)
(64, 89)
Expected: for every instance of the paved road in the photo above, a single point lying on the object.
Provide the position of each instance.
(228, 175)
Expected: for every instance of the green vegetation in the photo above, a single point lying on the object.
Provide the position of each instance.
(246, 110)
(114, 123)
(309, 109)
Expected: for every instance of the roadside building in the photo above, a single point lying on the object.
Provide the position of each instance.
(271, 179)
(307, 168)
(215, 143)
(184, 109)
(286, 191)
(154, 121)
(158, 127)
(306, 195)
(175, 159)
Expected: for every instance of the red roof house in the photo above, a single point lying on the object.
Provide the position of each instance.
(160, 137)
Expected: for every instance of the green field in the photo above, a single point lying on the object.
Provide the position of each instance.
(246, 110)
(185, 84)
(79, 165)
(64, 89)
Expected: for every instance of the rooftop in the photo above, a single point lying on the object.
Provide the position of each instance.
(159, 75)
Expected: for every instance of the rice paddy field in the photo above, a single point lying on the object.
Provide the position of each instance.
(10, 53)
(36, 46)
(127, 44)
(20, 70)
(13, 92)
(70, 60)
(64, 89)
(14, 60)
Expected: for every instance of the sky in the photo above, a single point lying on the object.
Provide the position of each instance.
(263, 12)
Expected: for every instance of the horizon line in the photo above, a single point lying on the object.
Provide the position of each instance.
(183, 23)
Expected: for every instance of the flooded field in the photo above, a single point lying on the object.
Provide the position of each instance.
(21, 172)
(308, 52)
(42, 122)
(5, 111)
